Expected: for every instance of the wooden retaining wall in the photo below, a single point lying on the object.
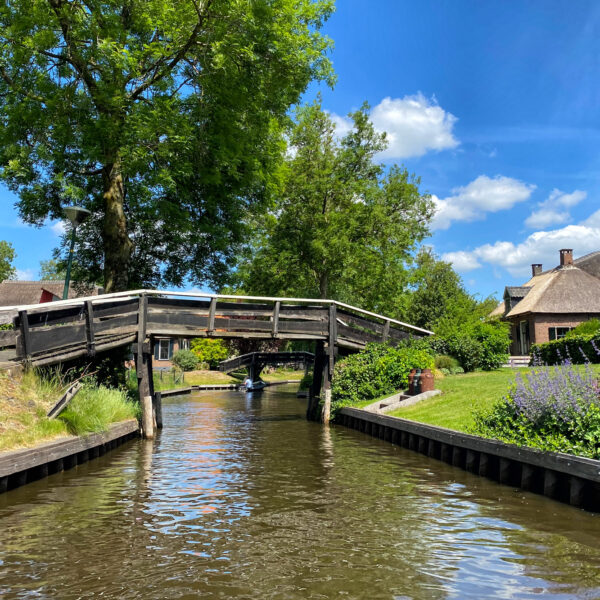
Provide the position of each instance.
(563, 477)
(19, 467)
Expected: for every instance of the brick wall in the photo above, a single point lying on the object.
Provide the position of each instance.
(539, 325)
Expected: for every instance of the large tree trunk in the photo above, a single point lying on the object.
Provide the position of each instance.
(324, 285)
(117, 245)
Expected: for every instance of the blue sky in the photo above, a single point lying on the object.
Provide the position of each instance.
(493, 104)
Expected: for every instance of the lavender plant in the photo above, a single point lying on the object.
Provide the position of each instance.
(552, 408)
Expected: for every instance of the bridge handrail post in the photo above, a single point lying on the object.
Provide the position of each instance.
(25, 336)
(89, 328)
(386, 332)
(276, 310)
(211, 316)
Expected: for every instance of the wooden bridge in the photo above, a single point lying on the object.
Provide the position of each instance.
(255, 362)
(53, 333)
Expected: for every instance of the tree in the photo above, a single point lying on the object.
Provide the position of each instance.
(345, 226)
(162, 117)
(7, 255)
(51, 270)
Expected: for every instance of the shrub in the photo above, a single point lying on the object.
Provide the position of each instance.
(553, 408)
(186, 360)
(457, 370)
(445, 372)
(577, 349)
(377, 371)
(208, 351)
(494, 338)
(586, 328)
(443, 361)
(96, 407)
(484, 346)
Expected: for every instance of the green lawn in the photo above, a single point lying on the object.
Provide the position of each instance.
(461, 396)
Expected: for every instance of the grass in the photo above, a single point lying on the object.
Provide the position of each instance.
(168, 381)
(461, 397)
(25, 400)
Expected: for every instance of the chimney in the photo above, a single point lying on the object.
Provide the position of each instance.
(536, 269)
(566, 257)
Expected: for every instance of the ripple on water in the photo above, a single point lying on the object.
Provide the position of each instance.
(243, 498)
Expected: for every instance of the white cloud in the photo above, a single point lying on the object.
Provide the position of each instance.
(539, 247)
(555, 209)
(26, 275)
(58, 228)
(414, 125)
(462, 261)
(483, 195)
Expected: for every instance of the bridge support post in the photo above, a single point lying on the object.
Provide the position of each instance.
(146, 390)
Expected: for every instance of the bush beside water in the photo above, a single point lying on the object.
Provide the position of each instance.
(377, 371)
(551, 408)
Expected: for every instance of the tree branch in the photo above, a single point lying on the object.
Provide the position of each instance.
(160, 73)
(27, 93)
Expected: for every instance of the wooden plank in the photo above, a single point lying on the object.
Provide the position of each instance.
(276, 310)
(64, 400)
(362, 337)
(89, 328)
(211, 315)
(312, 327)
(56, 316)
(333, 334)
(20, 460)
(8, 338)
(386, 332)
(577, 466)
(26, 349)
(111, 309)
(113, 323)
(360, 322)
(142, 327)
(41, 361)
(177, 319)
(43, 340)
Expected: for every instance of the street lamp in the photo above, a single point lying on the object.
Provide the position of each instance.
(77, 216)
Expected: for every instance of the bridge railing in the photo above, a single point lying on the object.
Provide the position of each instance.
(58, 331)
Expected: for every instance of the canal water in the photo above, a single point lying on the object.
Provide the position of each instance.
(240, 497)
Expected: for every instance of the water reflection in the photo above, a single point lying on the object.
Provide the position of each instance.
(240, 497)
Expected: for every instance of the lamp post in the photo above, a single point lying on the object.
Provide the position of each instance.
(77, 216)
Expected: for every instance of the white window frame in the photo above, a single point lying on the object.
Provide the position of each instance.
(161, 345)
(184, 344)
(555, 329)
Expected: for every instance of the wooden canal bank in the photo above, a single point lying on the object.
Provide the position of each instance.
(563, 477)
(19, 467)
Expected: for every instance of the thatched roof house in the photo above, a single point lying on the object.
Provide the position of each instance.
(552, 302)
(19, 293)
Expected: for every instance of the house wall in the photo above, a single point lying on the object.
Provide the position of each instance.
(539, 325)
(164, 364)
(544, 321)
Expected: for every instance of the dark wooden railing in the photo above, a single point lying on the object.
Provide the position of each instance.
(265, 358)
(60, 331)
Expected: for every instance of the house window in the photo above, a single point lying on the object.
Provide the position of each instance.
(557, 333)
(163, 350)
(184, 344)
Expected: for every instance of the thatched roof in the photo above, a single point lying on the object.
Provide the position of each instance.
(19, 293)
(566, 289)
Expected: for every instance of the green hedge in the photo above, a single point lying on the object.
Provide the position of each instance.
(577, 349)
(377, 371)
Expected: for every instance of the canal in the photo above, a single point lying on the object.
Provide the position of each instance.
(241, 497)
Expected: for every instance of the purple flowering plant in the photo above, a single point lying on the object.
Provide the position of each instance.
(551, 407)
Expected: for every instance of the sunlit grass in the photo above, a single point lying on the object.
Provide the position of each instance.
(461, 397)
(26, 399)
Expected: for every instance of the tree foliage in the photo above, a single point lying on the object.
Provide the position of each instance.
(7, 256)
(51, 270)
(208, 351)
(162, 117)
(344, 226)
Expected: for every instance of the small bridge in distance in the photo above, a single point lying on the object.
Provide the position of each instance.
(255, 362)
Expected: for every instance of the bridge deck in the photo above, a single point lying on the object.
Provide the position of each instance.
(60, 331)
